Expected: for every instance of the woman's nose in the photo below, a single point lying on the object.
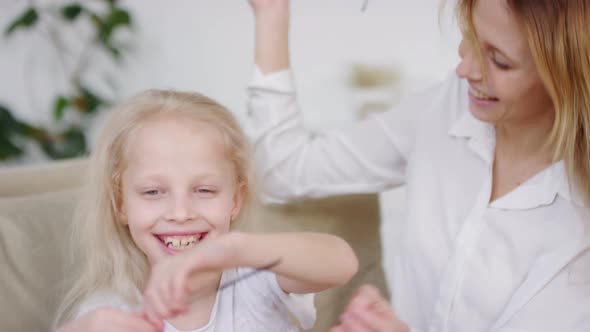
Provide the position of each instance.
(469, 67)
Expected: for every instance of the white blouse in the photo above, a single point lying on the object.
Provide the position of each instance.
(518, 263)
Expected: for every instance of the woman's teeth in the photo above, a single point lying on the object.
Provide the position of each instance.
(480, 95)
(180, 242)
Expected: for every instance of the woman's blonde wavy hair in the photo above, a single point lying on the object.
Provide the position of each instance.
(107, 256)
(558, 37)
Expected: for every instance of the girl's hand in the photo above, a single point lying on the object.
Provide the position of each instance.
(175, 278)
(368, 311)
(114, 320)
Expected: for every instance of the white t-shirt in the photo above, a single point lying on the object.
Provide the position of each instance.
(461, 263)
(255, 304)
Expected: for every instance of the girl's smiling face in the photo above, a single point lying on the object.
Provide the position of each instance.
(512, 90)
(178, 186)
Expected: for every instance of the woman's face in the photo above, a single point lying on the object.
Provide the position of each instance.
(512, 91)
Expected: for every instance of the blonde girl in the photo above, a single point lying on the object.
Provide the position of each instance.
(170, 176)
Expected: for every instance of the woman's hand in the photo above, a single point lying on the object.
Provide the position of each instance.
(368, 311)
(174, 279)
(113, 320)
(262, 7)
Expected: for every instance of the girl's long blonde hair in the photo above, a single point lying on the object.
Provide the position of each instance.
(557, 34)
(105, 256)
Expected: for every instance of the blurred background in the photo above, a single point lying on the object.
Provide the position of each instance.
(64, 64)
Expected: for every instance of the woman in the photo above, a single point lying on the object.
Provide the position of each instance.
(495, 159)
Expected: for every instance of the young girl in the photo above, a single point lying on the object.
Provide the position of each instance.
(169, 178)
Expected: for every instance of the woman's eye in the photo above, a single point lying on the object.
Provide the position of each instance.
(500, 64)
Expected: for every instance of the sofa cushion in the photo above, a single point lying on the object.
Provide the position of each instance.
(33, 235)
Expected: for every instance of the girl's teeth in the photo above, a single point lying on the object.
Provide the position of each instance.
(180, 243)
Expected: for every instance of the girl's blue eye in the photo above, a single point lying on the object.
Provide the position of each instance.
(206, 191)
(151, 192)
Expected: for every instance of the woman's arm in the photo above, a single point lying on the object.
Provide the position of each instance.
(296, 163)
(272, 34)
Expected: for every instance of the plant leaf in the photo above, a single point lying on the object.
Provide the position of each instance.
(26, 20)
(114, 51)
(7, 121)
(8, 131)
(114, 19)
(118, 17)
(71, 12)
(69, 144)
(90, 101)
(10, 125)
(96, 20)
(8, 149)
(59, 106)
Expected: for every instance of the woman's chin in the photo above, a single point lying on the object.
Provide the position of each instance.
(488, 114)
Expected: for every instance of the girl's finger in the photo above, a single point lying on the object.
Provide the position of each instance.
(158, 309)
(180, 289)
(157, 325)
(351, 323)
(150, 315)
(136, 322)
(167, 295)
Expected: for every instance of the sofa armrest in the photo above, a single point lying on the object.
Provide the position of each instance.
(48, 177)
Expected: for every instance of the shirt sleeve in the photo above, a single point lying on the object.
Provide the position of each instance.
(101, 300)
(368, 156)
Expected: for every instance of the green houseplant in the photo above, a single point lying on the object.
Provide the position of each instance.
(106, 18)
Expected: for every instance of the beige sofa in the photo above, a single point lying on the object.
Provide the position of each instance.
(36, 205)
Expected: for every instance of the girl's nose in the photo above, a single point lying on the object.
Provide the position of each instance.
(469, 67)
(181, 210)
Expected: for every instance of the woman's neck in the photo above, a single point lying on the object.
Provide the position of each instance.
(525, 140)
(521, 152)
